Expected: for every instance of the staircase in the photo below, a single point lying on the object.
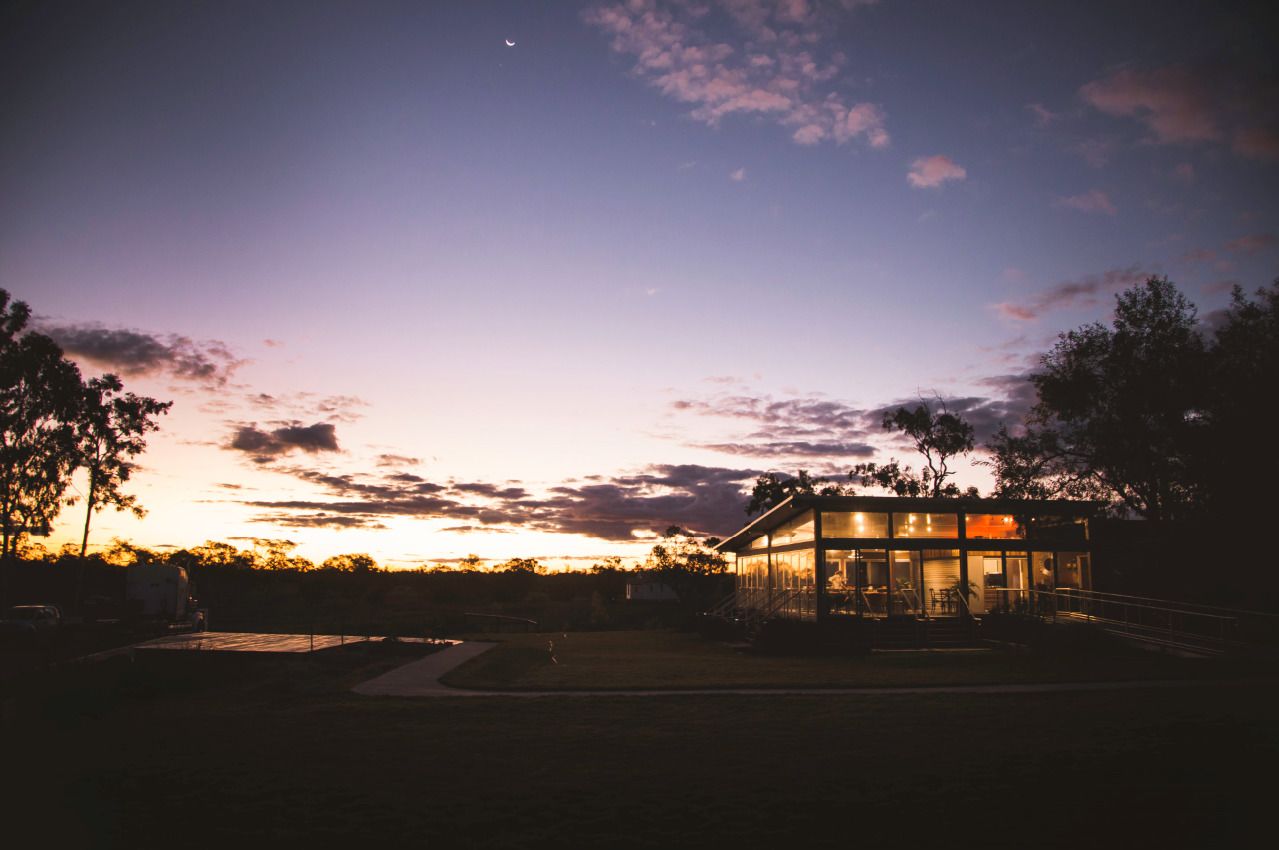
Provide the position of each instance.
(912, 633)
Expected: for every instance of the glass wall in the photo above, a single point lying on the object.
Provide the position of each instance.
(793, 575)
(992, 527)
(986, 577)
(840, 579)
(926, 525)
(872, 581)
(905, 576)
(797, 530)
(854, 524)
(941, 579)
(1072, 570)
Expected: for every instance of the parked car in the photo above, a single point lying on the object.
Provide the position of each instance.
(30, 620)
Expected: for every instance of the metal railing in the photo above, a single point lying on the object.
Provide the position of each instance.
(1157, 621)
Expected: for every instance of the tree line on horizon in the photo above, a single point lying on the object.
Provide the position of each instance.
(1158, 416)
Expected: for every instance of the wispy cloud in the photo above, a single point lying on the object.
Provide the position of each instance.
(1042, 115)
(738, 175)
(772, 60)
(1253, 243)
(1085, 292)
(1092, 201)
(929, 172)
(705, 500)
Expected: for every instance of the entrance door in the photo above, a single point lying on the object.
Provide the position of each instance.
(906, 579)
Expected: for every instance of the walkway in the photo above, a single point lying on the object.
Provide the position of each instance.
(422, 679)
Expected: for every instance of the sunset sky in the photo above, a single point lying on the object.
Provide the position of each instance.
(418, 293)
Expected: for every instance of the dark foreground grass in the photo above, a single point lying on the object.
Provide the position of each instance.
(668, 659)
(194, 751)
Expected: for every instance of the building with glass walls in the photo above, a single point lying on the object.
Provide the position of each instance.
(818, 557)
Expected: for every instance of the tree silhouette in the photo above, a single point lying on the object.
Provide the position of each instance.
(40, 394)
(1120, 411)
(938, 437)
(111, 431)
(771, 490)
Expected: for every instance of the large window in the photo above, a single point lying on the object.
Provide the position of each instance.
(854, 524)
(1072, 570)
(752, 572)
(796, 530)
(926, 525)
(986, 578)
(794, 574)
(992, 527)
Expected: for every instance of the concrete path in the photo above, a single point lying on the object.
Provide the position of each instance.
(422, 679)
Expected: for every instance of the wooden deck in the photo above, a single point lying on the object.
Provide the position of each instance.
(248, 642)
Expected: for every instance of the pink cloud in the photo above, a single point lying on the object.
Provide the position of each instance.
(738, 176)
(1043, 115)
(1199, 255)
(780, 68)
(1184, 105)
(1174, 103)
(1085, 292)
(1093, 201)
(1257, 143)
(1251, 244)
(929, 172)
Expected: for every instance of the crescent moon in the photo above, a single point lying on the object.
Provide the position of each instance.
(510, 43)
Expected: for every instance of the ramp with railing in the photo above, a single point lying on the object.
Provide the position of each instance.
(1186, 626)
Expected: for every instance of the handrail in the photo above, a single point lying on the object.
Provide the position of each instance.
(1189, 605)
(963, 600)
(722, 607)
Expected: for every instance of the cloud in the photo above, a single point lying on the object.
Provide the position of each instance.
(1084, 292)
(397, 460)
(1097, 152)
(807, 428)
(793, 449)
(1043, 116)
(1251, 244)
(738, 176)
(1092, 201)
(1198, 255)
(1184, 172)
(702, 499)
(264, 446)
(1175, 103)
(773, 64)
(139, 353)
(307, 405)
(1256, 143)
(932, 171)
(1194, 105)
(1218, 287)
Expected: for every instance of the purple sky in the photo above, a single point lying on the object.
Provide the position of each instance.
(422, 294)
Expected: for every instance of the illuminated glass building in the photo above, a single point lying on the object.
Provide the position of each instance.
(824, 557)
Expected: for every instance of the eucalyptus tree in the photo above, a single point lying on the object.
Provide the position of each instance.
(939, 436)
(40, 402)
(110, 432)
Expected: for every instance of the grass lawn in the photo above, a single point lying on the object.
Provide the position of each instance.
(666, 659)
(207, 751)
